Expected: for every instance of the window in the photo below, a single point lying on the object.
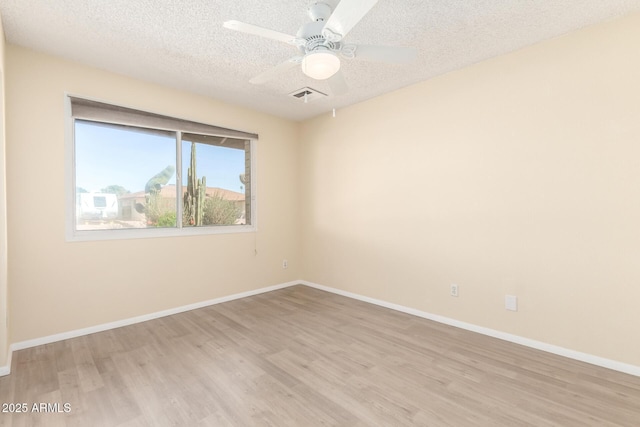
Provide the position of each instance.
(138, 174)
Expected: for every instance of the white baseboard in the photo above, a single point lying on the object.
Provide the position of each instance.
(549, 348)
(6, 370)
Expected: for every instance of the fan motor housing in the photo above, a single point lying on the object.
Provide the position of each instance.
(310, 29)
(312, 33)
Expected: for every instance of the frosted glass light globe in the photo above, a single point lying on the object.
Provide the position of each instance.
(320, 65)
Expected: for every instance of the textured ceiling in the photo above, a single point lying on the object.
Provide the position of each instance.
(183, 44)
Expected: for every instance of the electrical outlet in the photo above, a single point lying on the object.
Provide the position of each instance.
(285, 263)
(511, 302)
(454, 290)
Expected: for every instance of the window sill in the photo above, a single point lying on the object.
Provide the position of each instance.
(148, 233)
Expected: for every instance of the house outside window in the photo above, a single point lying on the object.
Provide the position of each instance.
(137, 174)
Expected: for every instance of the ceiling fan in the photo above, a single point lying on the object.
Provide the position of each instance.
(321, 40)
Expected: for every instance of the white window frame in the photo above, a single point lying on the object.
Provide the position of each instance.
(73, 235)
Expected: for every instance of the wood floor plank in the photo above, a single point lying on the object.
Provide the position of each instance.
(303, 357)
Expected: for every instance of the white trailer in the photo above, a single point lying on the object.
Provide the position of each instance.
(96, 206)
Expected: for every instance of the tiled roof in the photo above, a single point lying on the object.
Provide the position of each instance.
(169, 191)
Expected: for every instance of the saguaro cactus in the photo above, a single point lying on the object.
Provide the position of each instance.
(196, 193)
(154, 185)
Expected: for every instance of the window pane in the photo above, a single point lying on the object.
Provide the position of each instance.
(125, 177)
(215, 179)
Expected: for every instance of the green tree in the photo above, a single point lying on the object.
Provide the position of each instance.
(167, 219)
(115, 189)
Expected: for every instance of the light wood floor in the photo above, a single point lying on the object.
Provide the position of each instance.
(303, 357)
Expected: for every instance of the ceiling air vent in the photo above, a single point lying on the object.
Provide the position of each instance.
(306, 94)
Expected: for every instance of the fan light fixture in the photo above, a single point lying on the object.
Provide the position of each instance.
(320, 65)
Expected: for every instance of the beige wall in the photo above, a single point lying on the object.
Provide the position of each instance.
(4, 332)
(58, 286)
(518, 175)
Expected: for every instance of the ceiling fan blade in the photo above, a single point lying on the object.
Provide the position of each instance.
(346, 15)
(262, 32)
(275, 71)
(394, 54)
(338, 84)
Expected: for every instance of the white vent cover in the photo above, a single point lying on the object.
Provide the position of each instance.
(306, 94)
